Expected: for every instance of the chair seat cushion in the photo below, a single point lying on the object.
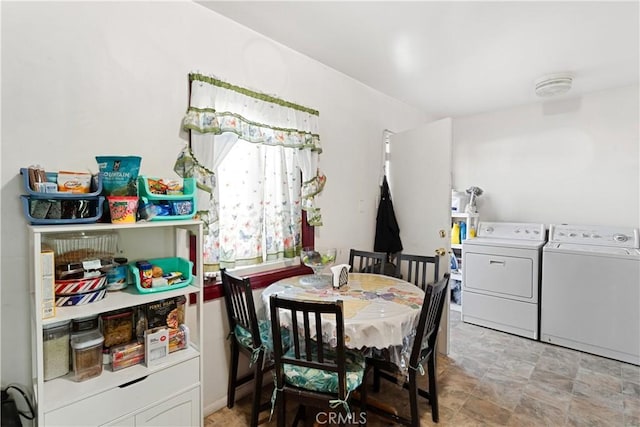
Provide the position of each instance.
(246, 340)
(325, 381)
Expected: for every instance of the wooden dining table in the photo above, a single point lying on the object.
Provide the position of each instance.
(380, 312)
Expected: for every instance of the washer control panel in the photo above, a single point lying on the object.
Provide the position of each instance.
(621, 237)
(512, 230)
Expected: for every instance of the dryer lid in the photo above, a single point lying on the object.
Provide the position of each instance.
(505, 243)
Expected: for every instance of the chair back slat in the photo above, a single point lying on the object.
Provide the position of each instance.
(429, 322)
(416, 268)
(240, 305)
(368, 262)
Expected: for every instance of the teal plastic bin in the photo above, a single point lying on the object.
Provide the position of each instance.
(168, 265)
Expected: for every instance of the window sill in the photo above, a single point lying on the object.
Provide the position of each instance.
(213, 290)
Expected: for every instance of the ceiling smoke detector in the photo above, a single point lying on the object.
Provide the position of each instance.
(553, 85)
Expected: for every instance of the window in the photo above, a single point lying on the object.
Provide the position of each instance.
(259, 205)
(255, 159)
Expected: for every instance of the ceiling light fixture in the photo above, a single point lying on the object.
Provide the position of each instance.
(553, 84)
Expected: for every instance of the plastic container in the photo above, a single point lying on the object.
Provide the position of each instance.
(168, 207)
(87, 355)
(123, 209)
(79, 247)
(55, 341)
(80, 299)
(463, 231)
(455, 234)
(83, 324)
(459, 200)
(39, 211)
(94, 191)
(80, 286)
(188, 190)
(117, 327)
(168, 266)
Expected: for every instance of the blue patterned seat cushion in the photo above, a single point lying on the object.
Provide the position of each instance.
(245, 339)
(325, 381)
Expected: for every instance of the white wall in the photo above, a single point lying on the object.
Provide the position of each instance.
(81, 79)
(574, 161)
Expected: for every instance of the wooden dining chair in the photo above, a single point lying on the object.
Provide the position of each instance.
(248, 336)
(317, 370)
(423, 351)
(370, 262)
(418, 269)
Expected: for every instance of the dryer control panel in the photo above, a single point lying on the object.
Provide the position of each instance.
(620, 237)
(512, 230)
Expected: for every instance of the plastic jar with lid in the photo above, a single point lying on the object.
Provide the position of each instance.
(82, 324)
(87, 355)
(117, 327)
(55, 341)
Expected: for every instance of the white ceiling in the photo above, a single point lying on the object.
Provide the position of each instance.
(453, 58)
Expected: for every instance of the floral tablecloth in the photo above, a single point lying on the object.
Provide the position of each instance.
(380, 312)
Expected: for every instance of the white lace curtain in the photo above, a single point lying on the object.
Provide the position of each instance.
(220, 114)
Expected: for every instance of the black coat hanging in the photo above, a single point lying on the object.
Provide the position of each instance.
(387, 230)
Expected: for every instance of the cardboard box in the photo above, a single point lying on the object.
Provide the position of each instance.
(47, 283)
(127, 355)
(162, 313)
(156, 345)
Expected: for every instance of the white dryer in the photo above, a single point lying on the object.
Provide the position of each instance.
(501, 277)
(591, 290)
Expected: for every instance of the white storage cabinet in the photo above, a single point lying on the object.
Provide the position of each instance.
(167, 394)
(471, 220)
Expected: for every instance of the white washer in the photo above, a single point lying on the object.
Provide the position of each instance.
(591, 290)
(501, 277)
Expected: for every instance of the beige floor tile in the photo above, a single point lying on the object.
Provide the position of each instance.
(536, 412)
(486, 411)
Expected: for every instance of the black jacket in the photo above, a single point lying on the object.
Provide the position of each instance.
(387, 230)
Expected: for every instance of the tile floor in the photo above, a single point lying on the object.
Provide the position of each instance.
(492, 378)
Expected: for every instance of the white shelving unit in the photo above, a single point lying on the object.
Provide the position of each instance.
(471, 220)
(169, 393)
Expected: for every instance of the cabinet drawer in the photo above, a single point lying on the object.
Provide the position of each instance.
(120, 401)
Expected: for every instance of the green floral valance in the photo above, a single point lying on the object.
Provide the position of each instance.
(218, 107)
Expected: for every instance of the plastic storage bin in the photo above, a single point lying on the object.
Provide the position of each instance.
(87, 355)
(56, 207)
(55, 337)
(37, 209)
(177, 206)
(94, 191)
(168, 265)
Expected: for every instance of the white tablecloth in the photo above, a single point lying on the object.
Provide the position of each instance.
(379, 311)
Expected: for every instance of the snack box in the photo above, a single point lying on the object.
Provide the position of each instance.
(163, 313)
(156, 345)
(127, 355)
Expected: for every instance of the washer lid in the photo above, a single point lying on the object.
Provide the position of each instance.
(591, 250)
